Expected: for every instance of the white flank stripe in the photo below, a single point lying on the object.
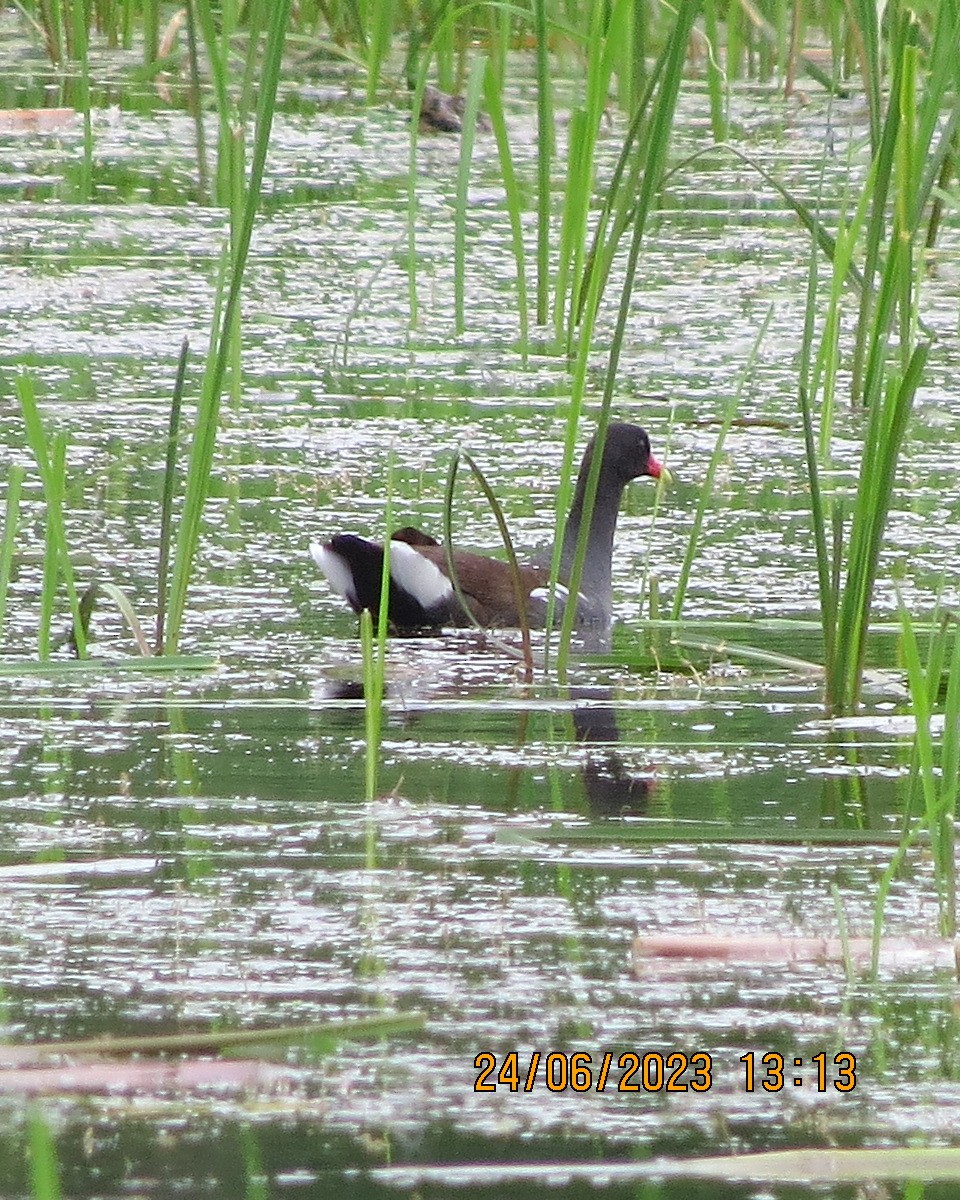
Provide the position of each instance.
(336, 570)
(418, 576)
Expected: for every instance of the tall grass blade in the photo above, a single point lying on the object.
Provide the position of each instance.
(467, 138)
(519, 593)
(607, 35)
(385, 1025)
(44, 1166)
(151, 30)
(380, 34)
(196, 104)
(654, 153)
(169, 488)
(939, 788)
(866, 29)
(372, 697)
(201, 458)
(716, 79)
(219, 77)
(545, 146)
(122, 601)
(51, 462)
(11, 526)
(514, 198)
(877, 474)
(706, 490)
(374, 647)
(169, 664)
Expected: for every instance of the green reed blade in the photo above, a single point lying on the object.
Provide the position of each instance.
(48, 588)
(716, 78)
(167, 665)
(36, 25)
(877, 475)
(942, 76)
(652, 153)
(373, 700)
(938, 789)
(881, 180)
(769, 658)
(514, 197)
(55, 30)
(151, 30)
(375, 655)
(223, 1040)
(519, 593)
(467, 138)
(196, 105)
(828, 590)
(950, 756)
(44, 1164)
(51, 463)
(220, 79)
(169, 488)
(545, 150)
(256, 16)
(807, 216)
(255, 1175)
(122, 601)
(863, 15)
(920, 706)
(706, 490)
(607, 35)
(11, 526)
(381, 33)
(80, 52)
(201, 457)
(623, 186)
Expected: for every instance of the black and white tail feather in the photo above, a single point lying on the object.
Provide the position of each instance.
(421, 596)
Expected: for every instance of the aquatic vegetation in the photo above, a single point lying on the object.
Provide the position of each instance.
(224, 341)
(166, 503)
(936, 762)
(11, 523)
(848, 543)
(51, 458)
(501, 882)
(42, 1155)
(633, 189)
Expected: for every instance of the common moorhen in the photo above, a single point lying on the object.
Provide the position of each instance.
(421, 595)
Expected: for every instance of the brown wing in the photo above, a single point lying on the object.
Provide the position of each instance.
(488, 584)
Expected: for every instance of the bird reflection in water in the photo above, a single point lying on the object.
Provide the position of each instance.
(611, 789)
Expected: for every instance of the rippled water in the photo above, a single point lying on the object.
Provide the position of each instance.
(488, 889)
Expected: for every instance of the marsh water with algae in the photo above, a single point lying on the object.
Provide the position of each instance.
(672, 920)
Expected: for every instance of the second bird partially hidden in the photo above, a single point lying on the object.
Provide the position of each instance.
(422, 596)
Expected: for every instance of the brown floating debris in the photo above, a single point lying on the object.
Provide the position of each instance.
(139, 1077)
(37, 120)
(902, 952)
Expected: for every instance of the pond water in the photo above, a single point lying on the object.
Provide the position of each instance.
(220, 867)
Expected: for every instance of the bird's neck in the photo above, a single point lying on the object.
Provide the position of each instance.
(595, 581)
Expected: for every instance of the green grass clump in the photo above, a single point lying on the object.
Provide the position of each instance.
(888, 360)
(935, 767)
